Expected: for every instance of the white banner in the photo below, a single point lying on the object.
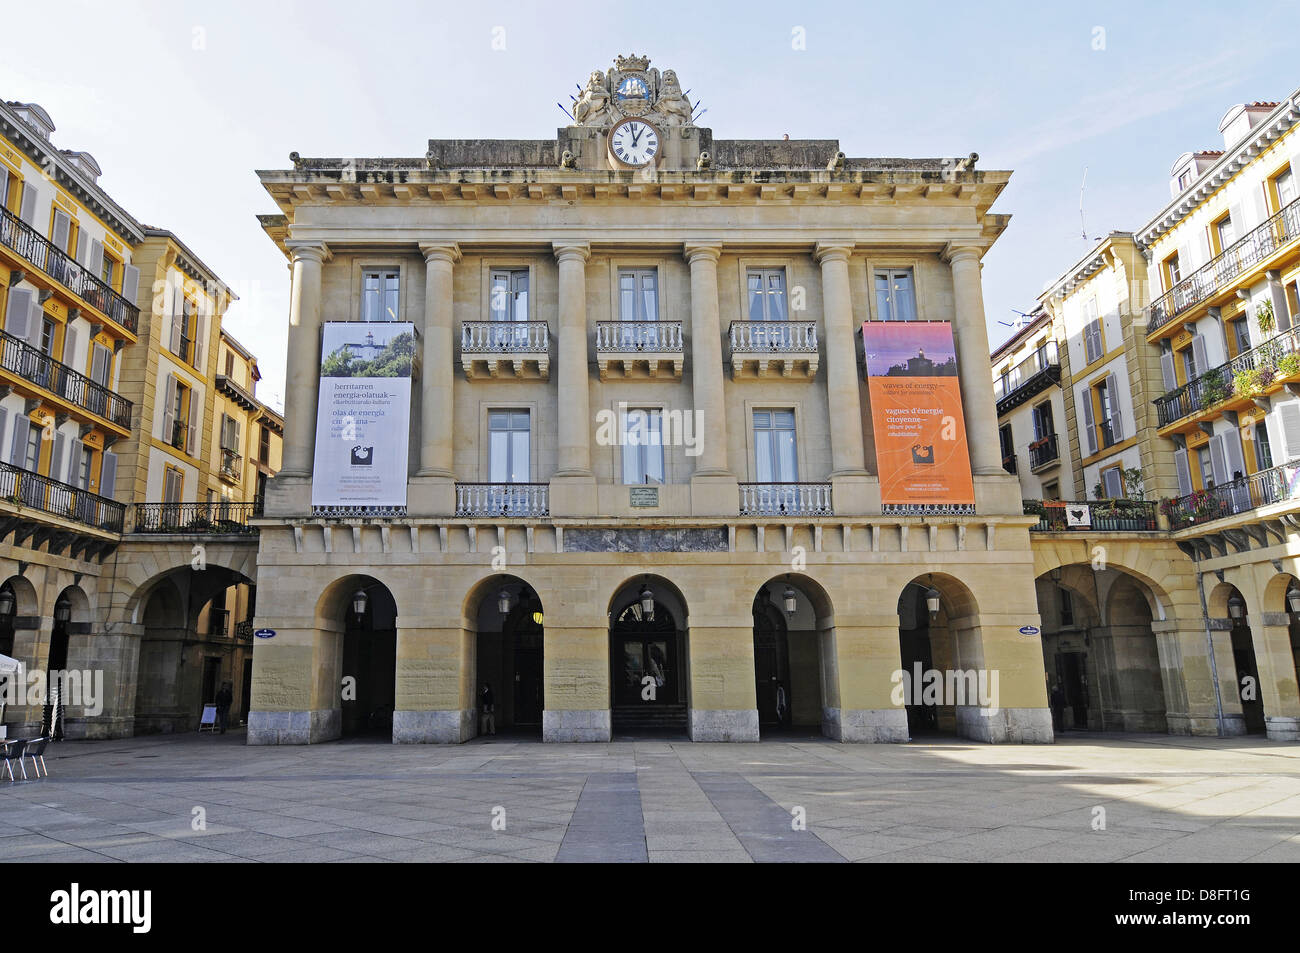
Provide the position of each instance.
(363, 416)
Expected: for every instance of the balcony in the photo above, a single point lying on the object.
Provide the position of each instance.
(516, 348)
(231, 466)
(1059, 516)
(35, 248)
(1222, 271)
(1043, 453)
(1009, 464)
(639, 349)
(774, 348)
(1276, 485)
(218, 518)
(39, 492)
(1249, 375)
(785, 499)
(25, 361)
(488, 500)
(1032, 376)
(244, 631)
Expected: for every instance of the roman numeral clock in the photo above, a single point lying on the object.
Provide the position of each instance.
(633, 143)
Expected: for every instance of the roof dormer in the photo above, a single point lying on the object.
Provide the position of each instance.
(1189, 167)
(84, 162)
(35, 117)
(1238, 121)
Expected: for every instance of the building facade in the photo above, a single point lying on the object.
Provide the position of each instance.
(642, 486)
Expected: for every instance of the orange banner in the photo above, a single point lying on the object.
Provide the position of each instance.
(920, 433)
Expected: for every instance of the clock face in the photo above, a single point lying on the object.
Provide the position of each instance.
(634, 142)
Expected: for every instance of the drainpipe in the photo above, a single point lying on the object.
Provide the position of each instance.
(1209, 644)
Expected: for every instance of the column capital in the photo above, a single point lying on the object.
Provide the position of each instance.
(440, 251)
(300, 250)
(707, 251)
(831, 251)
(955, 252)
(569, 251)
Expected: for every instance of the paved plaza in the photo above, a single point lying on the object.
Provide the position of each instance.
(1164, 799)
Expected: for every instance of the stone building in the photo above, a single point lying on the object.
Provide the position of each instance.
(109, 476)
(636, 481)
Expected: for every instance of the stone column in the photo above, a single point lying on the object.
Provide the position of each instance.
(713, 485)
(848, 470)
(972, 339)
(863, 652)
(573, 484)
(1271, 634)
(302, 379)
(433, 491)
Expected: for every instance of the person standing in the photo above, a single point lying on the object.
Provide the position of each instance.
(487, 711)
(224, 698)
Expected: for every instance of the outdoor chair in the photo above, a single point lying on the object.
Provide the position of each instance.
(36, 751)
(14, 750)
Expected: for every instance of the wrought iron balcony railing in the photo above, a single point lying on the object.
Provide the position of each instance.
(639, 336)
(60, 499)
(1031, 376)
(218, 518)
(1216, 385)
(785, 499)
(19, 357)
(1009, 463)
(1254, 247)
(244, 630)
(231, 464)
(1060, 516)
(34, 247)
(504, 337)
(758, 337)
(502, 499)
(1043, 452)
(1264, 488)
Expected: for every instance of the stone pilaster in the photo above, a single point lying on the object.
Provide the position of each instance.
(433, 490)
(848, 468)
(573, 486)
(713, 485)
(1271, 635)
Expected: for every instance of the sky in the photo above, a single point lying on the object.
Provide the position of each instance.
(180, 102)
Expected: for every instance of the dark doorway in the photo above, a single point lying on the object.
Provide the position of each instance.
(1243, 653)
(8, 610)
(211, 681)
(510, 657)
(646, 654)
(369, 670)
(246, 692)
(524, 630)
(771, 663)
(1072, 676)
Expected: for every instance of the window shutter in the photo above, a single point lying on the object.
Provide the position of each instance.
(1238, 224)
(178, 318)
(1235, 457)
(108, 474)
(1218, 464)
(1184, 472)
(70, 348)
(130, 283)
(4, 417)
(1203, 247)
(23, 425)
(61, 231)
(1114, 483)
(192, 434)
(99, 365)
(1116, 418)
(200, 333)
(4, 188)
(81, 246)
(1167, 371)
(1199, 354)
(27, 210)
(1089, 424)
(169, 410)
(56, 456)
(1288, 417)
(18, 312)
(95, 257)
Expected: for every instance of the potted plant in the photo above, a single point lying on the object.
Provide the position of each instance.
(1214, 388)
(1288, 365)
(1264, 316)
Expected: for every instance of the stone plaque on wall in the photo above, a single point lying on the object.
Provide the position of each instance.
(643, 495)
(711, 540)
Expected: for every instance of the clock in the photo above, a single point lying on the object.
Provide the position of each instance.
(633, 143)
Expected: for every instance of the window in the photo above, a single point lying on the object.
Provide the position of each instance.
(895, 297)
(108, 271)
(638, 294)
(1284, 188)
(643, 446)
(1094, 346)
(264, 445)
(1107, 401)
(508, 446)
(229, 433)
(1007, 443)
(83, 469)
(379, 301)
(1112, 482)
(508, 301)
(767, 294)
(775, 457)
(1044, 426)
(1188, 355)
(230, 364)
(1052, 490)
(1184, 179)
(1239, 334)
(48, 329)
(32, 451)
(1206, 466)
(1173, 274)
(176, 415)
(1225, 233)
(173, 484)
(1067, 607)
(1263, 450)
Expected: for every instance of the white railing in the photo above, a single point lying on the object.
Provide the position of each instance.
(785, 499)
(504, 337)
(502, 499)
(767, 337)
(639, 336)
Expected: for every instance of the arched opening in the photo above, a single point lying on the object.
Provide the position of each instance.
(368, 657)
(510, 623)
(792, 616)
(942, 659)
(8, 613)
(1226, 600)
(190, 649)
(1101, 656)
(647, 653)
(71, 613)
(1291, 606)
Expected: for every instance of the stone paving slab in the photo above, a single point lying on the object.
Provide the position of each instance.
(662, 801)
